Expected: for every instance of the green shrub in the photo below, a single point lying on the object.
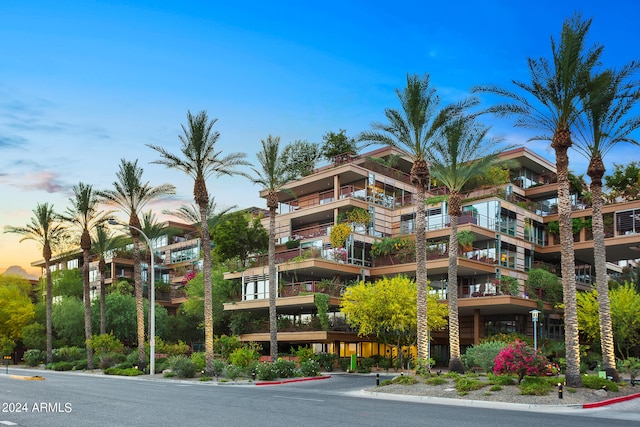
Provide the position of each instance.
(225, 345)
(266, 371)
(199, 360)
(106, 343)
(304, 354)
(597, 383)
(466, 384)
(385, 363)
(128, 372)
(405, 380)
(385, 382)
(68, 354)
(310, 368)
(243, 356)
(495, 388)
(344, 363)
(108, 360)
(285, 368)
(218, 366)
(34, 357)
(169, 374)
(80, 365)
(61, 366)
(482, 355)
(535, 386)
(436, 381)
(365, 365)
(232, 371)
(326, 360)
(502, 379)
(630, 366)
(205, 378)
(182, 366)
(171, 349)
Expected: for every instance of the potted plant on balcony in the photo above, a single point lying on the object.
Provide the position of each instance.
(465, 240)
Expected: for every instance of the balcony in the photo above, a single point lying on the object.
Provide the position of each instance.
(302, 288)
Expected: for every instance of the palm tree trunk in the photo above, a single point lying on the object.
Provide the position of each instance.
(137, 279)
(103, 298)
(602, 285)
(87, 305)
(49, 307)
(421, 276)
(455, 362)
(273, 321)
(208, 291)
(571, 339)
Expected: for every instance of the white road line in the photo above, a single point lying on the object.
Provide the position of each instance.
(8, 423)
(300, 398)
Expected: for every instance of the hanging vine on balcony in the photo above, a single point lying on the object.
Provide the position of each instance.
(322, 304)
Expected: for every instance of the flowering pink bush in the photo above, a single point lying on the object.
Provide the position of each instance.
(520, 359)
(188, 276)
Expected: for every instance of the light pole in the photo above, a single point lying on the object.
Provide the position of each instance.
(534, 317)
(152, 299)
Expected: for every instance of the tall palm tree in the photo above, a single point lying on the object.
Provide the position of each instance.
(605, 124)
(555, 90)
(46, 228)
(413, 129)
(104, 241)
(273, 175)
(460, 156)
(200, 159)
(84, 215)
(131, 194)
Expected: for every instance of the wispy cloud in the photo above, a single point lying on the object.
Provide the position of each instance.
(43, 181)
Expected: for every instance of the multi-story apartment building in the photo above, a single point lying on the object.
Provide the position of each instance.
(512, 225)
(512, 229)
(177, 257)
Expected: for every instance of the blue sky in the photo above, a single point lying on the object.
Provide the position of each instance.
(85, 83)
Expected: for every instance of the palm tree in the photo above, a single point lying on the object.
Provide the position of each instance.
(199, 159)
(555, 88)
(456, 159)
(608, 101)
(272, 176)
(46, 228)
(104, 241)
(413, 129)
(131, 195)
(191, 213)
(83, 214)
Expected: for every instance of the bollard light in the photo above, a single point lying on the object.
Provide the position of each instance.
(377, 379)
(559, 390)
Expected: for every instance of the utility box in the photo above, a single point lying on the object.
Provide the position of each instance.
(354, 363)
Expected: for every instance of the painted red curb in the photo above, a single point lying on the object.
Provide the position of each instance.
(293, 380)
(610, 401)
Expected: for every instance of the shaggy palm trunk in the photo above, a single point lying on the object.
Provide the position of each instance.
(561, 143)
(85, 244)
(137, 280)
(596, 171)
(201, 197)
(46, 253)
(103, 297)
(455, 362)
(420, 177)
(273, 321)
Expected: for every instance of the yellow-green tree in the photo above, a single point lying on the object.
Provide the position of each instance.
(625, 317)
(16, 309)
(387, 309)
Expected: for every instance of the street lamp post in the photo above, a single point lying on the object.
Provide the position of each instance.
(534, 317)
(152, 298)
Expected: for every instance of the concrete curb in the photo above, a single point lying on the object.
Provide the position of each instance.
(610, 401)
(292, 380)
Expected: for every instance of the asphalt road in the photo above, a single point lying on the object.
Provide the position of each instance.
(64, 399)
